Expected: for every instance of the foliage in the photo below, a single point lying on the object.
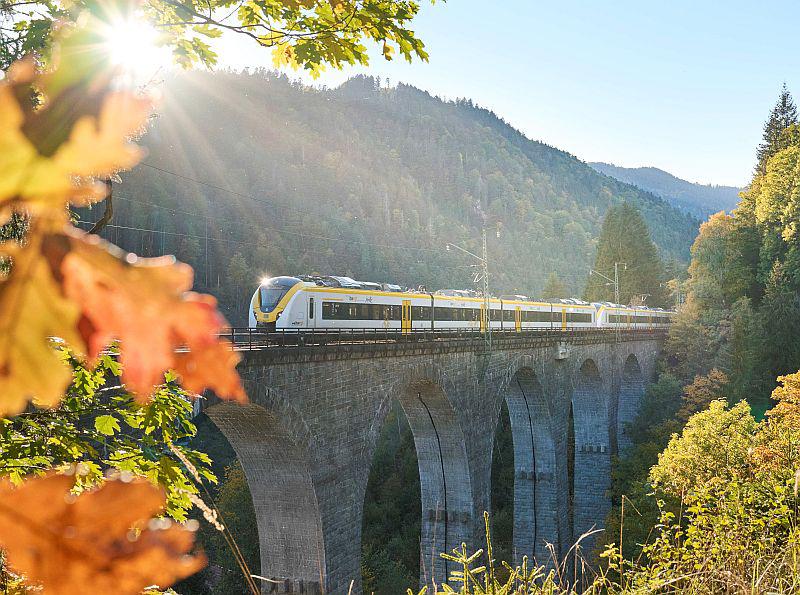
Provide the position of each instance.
(301, 33)
(478, 574)
(236, 510)
(625, 239)
(74, 287)
(713, 445)
(99, 428)
(782, 116)
(104, 538)
(554, 288)
(718, 273)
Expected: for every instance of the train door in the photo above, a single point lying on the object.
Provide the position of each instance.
(483, 317)
(563, 319)
(312, 322)
(405, 323)
(517, 319)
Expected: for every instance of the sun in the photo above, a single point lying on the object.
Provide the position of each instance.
(133, 46)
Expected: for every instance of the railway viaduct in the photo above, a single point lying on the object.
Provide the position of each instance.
(307, 438)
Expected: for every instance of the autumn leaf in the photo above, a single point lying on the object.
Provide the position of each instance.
(146, 305)
(103, 541)
(49, 156)
(32, 310)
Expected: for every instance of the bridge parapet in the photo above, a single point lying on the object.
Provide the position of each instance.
(321, 346)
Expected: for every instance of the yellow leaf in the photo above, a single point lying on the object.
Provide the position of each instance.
(95, 145)
(32, 310)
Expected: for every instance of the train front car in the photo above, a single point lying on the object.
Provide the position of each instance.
(270, 299)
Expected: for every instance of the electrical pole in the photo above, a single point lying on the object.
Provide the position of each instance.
(616, 279)
(484, 277)
(486, 293)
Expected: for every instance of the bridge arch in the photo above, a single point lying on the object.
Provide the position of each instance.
(275, 461)
(590, 455)
(631, 390)
(445, 485)
(535, 490)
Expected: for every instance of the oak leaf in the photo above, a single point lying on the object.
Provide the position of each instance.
(103, 541)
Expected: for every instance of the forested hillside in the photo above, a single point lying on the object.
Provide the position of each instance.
(361, 180)
(699, 199)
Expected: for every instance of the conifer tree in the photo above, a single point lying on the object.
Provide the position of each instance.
(625, 238)
(783, 115)
(554, 288)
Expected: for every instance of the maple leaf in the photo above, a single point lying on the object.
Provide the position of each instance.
(93, 141)
(32, 310)
(145, 304)
(103, 541)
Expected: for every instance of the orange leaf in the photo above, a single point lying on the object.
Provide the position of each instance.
(102, 541)
(145, 305)
(214, 367)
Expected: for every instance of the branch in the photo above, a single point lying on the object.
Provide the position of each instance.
(109, 212)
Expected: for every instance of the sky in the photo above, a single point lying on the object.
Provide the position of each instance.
(682, 86)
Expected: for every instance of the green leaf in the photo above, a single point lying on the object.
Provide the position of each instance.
(106, 424)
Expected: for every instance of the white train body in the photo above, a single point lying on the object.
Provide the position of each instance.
(291, 304)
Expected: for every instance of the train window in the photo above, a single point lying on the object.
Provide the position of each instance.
(508, 315)
(311, 308)
(333, 311)
(421, 312)
(579, 317)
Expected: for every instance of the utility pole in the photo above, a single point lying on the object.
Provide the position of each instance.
(482, 276)
(614, 281)
(485, 262)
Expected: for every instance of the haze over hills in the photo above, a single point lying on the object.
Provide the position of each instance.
(364, 181)
(698, 199)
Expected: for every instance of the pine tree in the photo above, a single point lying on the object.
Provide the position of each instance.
(625, 238)
(554, 288)
(783, 115)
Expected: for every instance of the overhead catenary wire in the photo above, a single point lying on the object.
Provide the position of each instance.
(240, 224)
(285, 207)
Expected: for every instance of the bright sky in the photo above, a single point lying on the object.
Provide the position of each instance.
(683, 85)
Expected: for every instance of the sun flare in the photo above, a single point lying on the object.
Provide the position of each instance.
(133, 45)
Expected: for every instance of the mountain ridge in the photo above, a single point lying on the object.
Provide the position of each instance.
(700, 200)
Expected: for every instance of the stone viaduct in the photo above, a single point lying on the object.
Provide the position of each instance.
(307, 438)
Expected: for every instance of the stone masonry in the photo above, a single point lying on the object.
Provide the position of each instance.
(306, 443)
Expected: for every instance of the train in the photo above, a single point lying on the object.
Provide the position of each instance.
(313, 302)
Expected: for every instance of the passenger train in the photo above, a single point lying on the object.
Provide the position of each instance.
(307, 303)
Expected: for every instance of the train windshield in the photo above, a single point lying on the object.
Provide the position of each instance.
(271, 296)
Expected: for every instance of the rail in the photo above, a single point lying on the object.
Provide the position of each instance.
(245, 338)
